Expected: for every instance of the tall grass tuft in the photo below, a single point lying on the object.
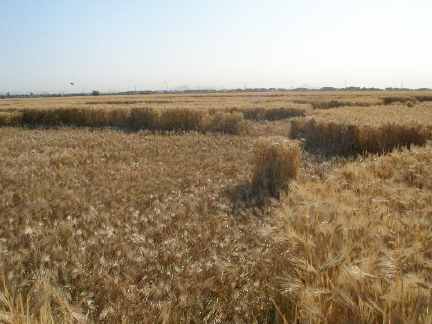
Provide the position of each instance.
(39, 117)
(423, 98)
(329, 104)
(271, 114)
(43, 303)
(226, 123)
(346, 139)
(399, 99)
(118, 118)
(276, 165)
(181, 119)
(11, 119)
(144, 118)
(73, 117)
(337, 104)
(171, 120)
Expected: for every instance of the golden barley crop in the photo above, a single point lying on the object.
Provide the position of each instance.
(101, 225)
(355, 130)
(113, 226)
(10, 119)
(277, 163)
(170, 120)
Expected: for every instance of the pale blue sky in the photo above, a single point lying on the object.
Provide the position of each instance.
(117, 45)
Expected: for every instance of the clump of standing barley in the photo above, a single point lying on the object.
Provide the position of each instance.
(277, 163)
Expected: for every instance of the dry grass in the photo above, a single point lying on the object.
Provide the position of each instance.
(335, 138)
(367, 129)
(75, 117)
(296, 102)
(378, 115)
(136, 228)
(114, 216)
(277, 163)
(181, 120)
(423, 98)
(218, 101)
(270, 114)
(274, 128)
(399, 100)
(103, 226)
(9, 119)
(144, 118)
(170, 120)
(359, 244)
(336, 104)
(43, 304)
(226, 122)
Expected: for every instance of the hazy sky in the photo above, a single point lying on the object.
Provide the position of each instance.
(117, 45)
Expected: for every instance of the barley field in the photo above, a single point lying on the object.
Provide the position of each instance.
(237, 207)
(374, 129)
